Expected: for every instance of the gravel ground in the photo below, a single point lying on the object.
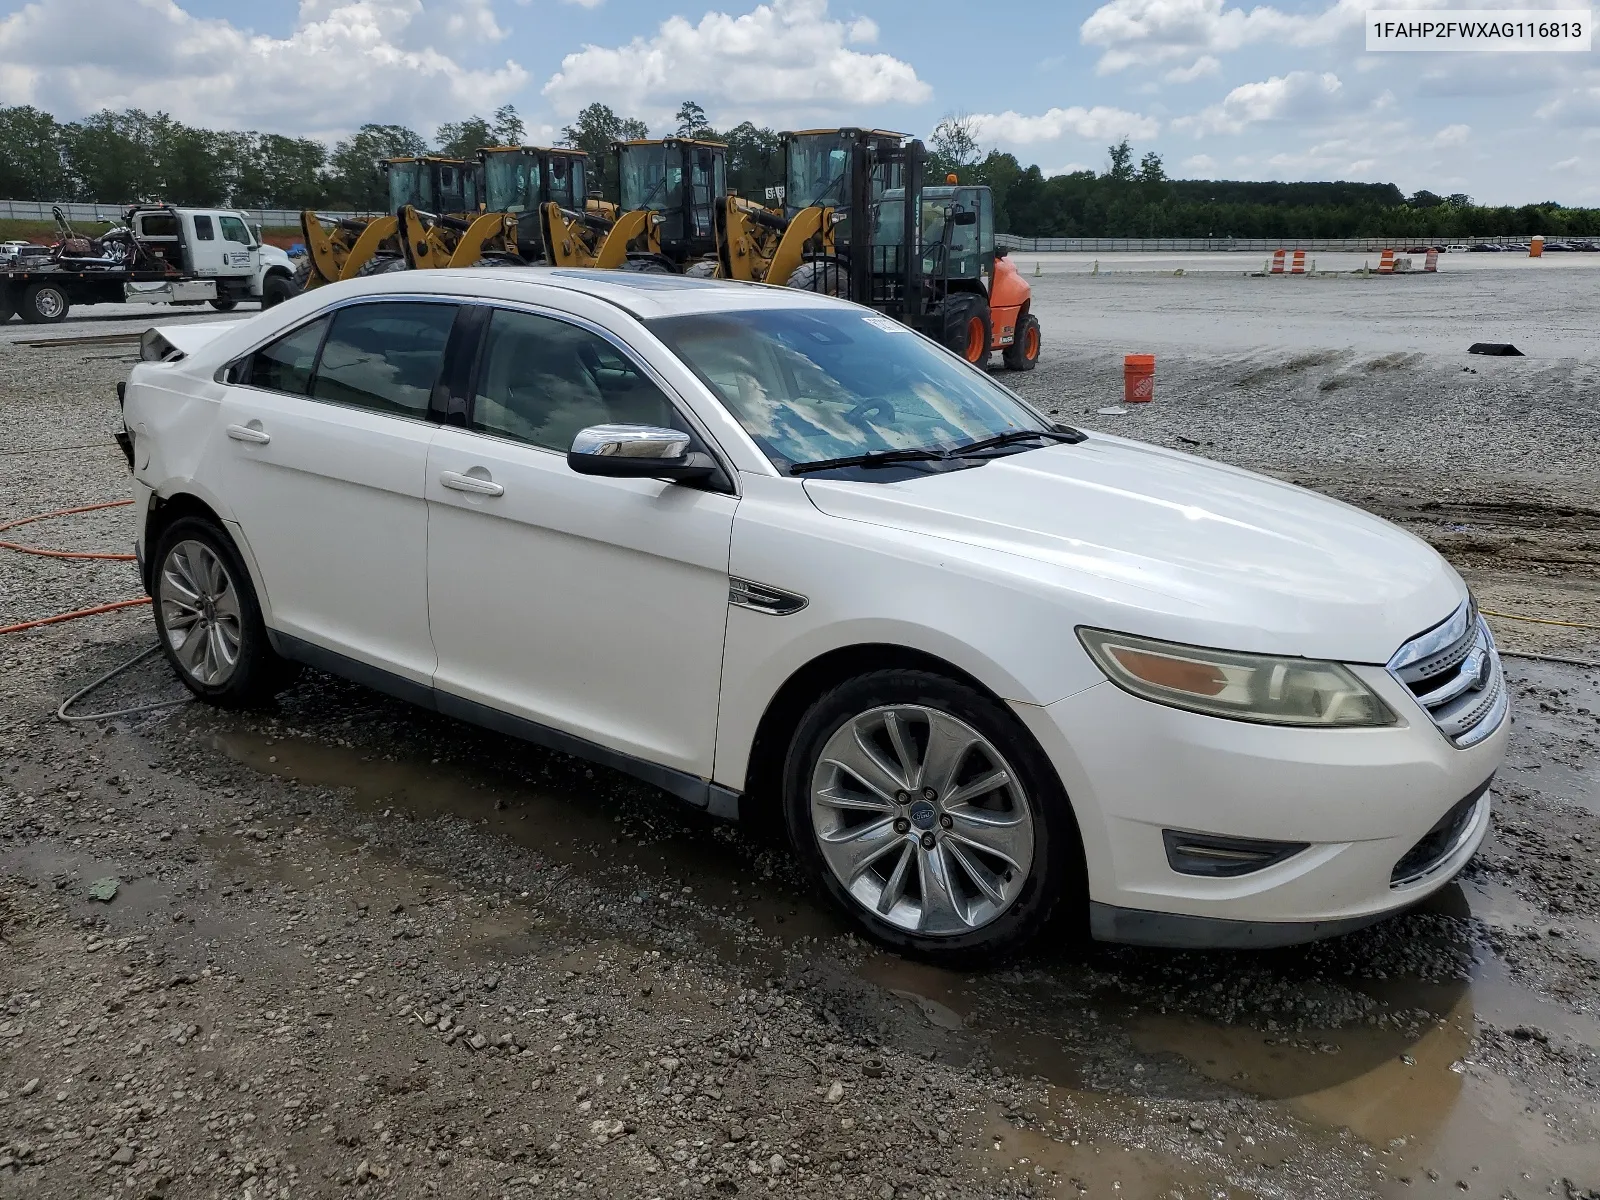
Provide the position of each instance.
(356, 949)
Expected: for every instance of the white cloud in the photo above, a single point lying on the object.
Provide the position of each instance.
(1200, 166)
(1575, 106)
(788, 56)
(1452, 135)
(1141, 32)
(345, 62)
(1298, 94)
(1094, 123)
(1199, 69)
(1566, 164)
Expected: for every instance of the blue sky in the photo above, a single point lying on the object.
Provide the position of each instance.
(1221, 89)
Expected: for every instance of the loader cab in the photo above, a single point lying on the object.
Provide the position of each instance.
(819, 166)
(521, 179)
(682, 180)
(433, 185)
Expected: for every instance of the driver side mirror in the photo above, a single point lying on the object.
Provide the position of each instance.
(638, 452)
(965, 216)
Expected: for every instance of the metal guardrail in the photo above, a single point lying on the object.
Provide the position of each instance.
(39, 210)
(1011, 241)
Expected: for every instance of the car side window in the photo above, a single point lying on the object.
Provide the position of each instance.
(384, 356)
(541, 381)
(286, 364)
(233, 230)
(203, 230)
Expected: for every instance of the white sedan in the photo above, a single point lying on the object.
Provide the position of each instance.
(766, 548)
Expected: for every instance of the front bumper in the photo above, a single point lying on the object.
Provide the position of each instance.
(1361, 799)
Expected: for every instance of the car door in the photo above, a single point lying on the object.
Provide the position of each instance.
(595, 607)
(321, 456)
(205, 249)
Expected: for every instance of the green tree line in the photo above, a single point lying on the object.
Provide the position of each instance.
(120, 157)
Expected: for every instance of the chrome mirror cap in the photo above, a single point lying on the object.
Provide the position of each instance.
(631, 441)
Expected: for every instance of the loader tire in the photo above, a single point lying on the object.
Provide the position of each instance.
(825, 275)
(381, 264)
(647, 266)
(44, 304)
(701, 270)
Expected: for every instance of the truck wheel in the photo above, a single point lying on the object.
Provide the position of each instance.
(44, 304)
(224, 305)
(966, 327)
(275, 289)
(1023, 353)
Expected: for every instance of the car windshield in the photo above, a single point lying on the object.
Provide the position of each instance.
(811, 384)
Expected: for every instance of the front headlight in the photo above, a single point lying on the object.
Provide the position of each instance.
(1244, 687)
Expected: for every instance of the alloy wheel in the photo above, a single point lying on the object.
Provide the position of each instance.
(922, 820)
(200, 612)
(50, 303)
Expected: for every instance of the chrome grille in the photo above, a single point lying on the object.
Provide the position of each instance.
(1455, 674)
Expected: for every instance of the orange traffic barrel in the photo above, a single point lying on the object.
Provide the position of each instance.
(1386, 263)
(1277, 262)
(1536, 246)
(1432, 261)
(1138, 378)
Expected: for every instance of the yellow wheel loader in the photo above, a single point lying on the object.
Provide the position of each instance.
(669, 190)
(348, 247)
(781, 247)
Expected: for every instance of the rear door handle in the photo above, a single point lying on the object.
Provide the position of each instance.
(457, 482)
(245, 433)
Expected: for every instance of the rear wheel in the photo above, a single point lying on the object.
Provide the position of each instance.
(924, 808)
(381, 264)
(705, 269)
(7, 306)
(825, 275)
(224, 305)
(966, 327)
(207, 618)
(44, 304)
(647, 266)
(1023, 353)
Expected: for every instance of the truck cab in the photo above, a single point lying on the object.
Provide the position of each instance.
(205, 243)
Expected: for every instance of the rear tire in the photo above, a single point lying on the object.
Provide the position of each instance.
(967, 331)
(1023, 353)
(824, 275)
(208, 620)
(381, 264)
(224, 305)
(705, 269)
(7, 307)
(646, 266)
(905, 861)
(44, 304)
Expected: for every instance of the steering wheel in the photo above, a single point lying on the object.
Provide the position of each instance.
(861, 413)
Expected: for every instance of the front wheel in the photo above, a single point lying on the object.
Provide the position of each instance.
(927, 812)
(208, 620)
(966, 327)
(277, 288)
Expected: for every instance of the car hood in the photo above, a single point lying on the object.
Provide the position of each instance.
(1146, 540)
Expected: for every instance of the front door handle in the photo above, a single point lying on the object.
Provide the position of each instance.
(457, 482)
(249, 433)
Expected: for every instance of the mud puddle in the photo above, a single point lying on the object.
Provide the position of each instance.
(651, 857)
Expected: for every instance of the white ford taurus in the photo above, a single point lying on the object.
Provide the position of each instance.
(766, 548)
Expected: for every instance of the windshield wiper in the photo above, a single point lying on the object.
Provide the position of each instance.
(875, 458)
(1012, 436)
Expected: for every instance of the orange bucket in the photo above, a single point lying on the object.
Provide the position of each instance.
(1138, 378)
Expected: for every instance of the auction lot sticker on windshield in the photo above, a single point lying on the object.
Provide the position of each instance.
(888, 324)
(1469, 29)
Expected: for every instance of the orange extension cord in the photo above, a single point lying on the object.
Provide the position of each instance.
(47, 553)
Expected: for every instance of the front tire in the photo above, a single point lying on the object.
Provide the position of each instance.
(44, 304)
(825, 275)
(277, 288)
(208, 620)
(926, 811)
(967, 330)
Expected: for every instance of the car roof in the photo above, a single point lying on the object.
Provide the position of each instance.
(643, 294)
